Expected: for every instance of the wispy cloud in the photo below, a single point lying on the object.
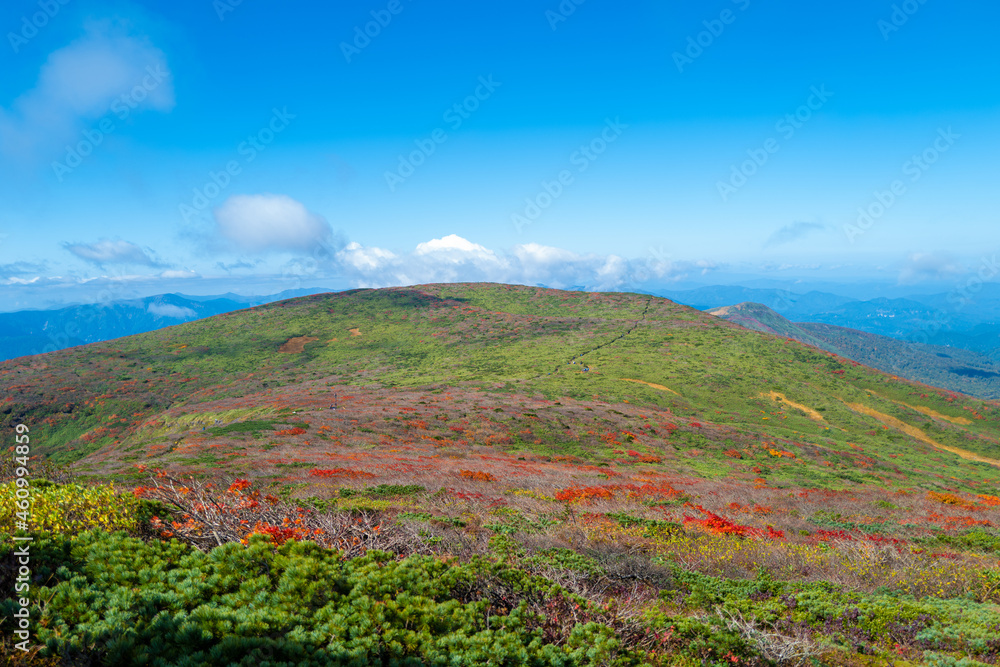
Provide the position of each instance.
(18, 269)
(80, 83)
(921, 267)
(106, 252)
(170, 310)
(793, 232)
(241, 264)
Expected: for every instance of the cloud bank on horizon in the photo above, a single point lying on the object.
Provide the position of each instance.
(455, 259)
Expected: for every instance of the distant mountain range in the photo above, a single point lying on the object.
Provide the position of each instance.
(29, 332)
(951, 368)
(968, 319)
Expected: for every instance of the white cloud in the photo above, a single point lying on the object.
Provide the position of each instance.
(706, 266)
(107, 71)
(170, 310)
(17, 269)
(533, 254)
(919, 267)
(362, 259)
(111, 252)
(178, 273)
(270, 223)
(454, 248)
(455, 259)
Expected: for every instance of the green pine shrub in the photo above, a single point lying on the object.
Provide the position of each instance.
(114, 599)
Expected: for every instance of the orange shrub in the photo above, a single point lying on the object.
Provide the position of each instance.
(951, 499)
(578, 493)
(478, 476)
(635, 491)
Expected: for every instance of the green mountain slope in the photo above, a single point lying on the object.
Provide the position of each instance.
(950, 368)
(758, 317)
(519, 370)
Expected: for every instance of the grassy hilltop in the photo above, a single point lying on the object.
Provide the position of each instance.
(139, 398)
(742, 497)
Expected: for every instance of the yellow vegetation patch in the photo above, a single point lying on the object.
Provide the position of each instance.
(915, 432)
(296, 345)
(815, 416)
(927, 411)
(937, 415)
(355, 332)
(654, 386)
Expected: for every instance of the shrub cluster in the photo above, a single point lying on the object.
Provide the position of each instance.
(118, 600)
(66, 509)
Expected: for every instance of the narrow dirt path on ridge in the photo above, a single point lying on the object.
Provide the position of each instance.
(635, 325)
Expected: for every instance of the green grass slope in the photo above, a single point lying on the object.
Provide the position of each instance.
(758, 317)
(504, 475)
(633, 358)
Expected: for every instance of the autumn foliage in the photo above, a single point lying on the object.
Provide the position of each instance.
(478, 476)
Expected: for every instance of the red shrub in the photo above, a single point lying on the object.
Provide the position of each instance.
(992, 501)
(578, 493)
(720, 524)
(239, 485)
(340, 472)
(716, 523)
(827, 535)
(278, 534)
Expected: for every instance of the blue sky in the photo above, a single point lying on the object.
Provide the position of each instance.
(259, 146)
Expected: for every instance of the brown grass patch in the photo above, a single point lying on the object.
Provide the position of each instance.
(775, 396)
(654, 386)
(296, 345)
